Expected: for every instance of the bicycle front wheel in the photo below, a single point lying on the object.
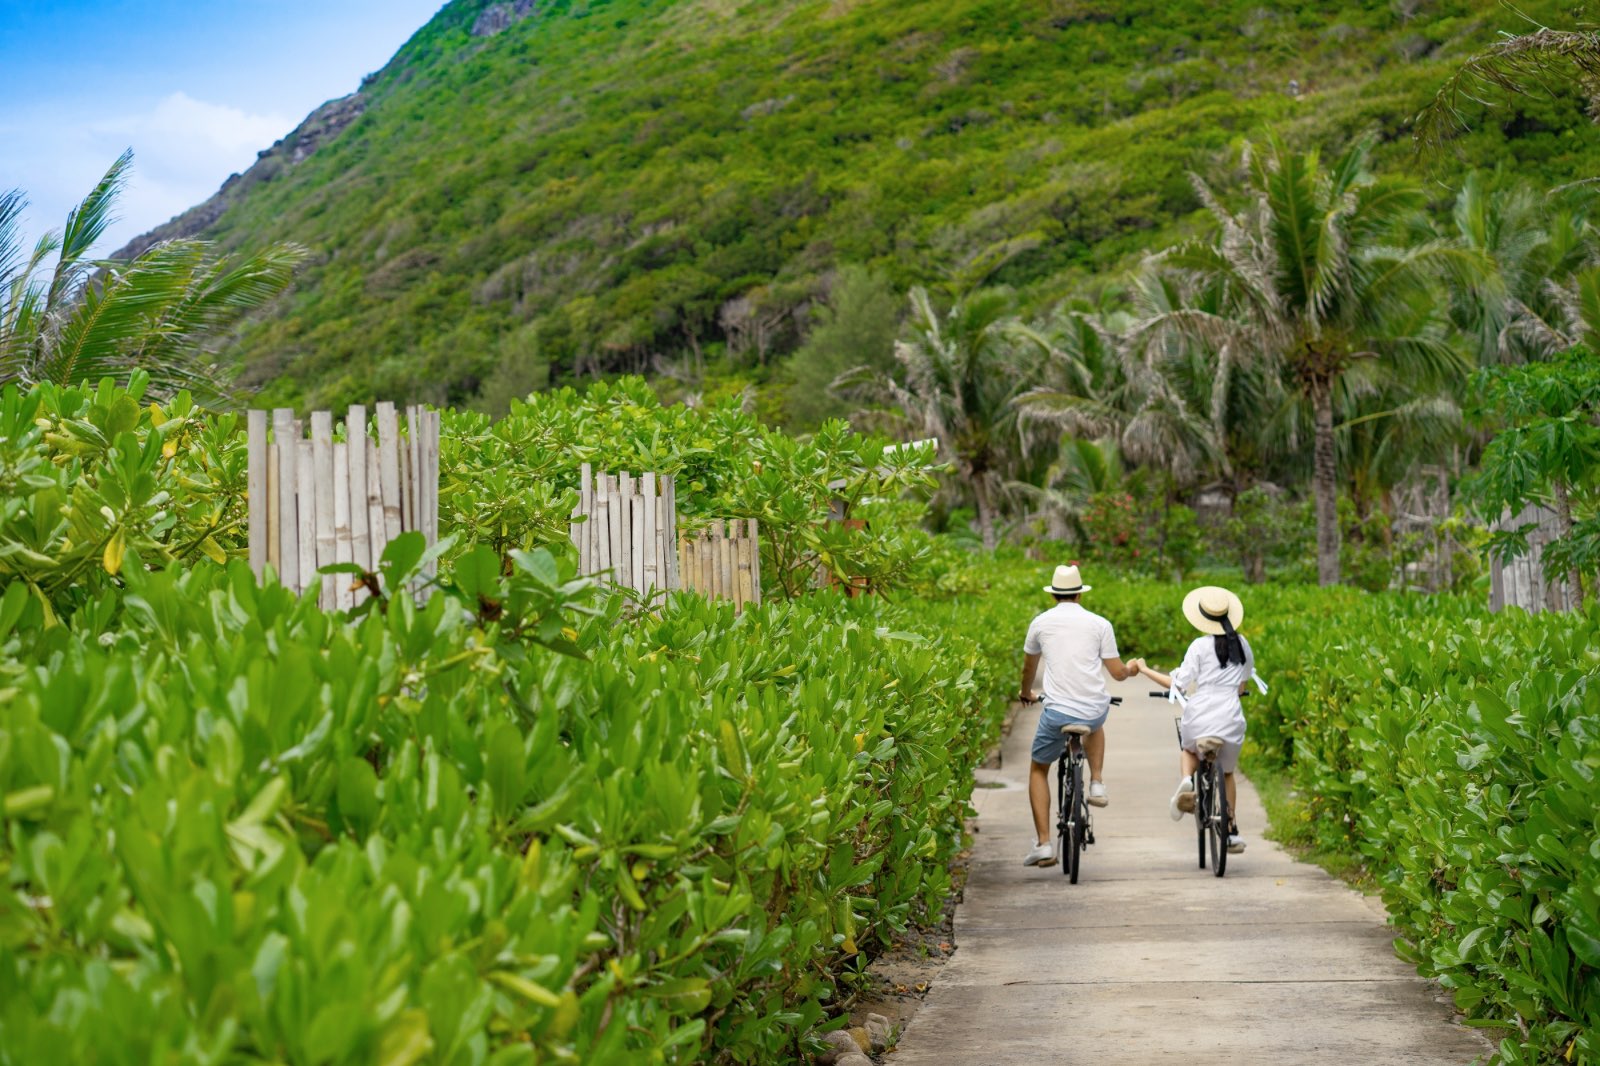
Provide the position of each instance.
(1219, 819)
(1063, 812)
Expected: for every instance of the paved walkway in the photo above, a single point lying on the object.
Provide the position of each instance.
(1148, 959)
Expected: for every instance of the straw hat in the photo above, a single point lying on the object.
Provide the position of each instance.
(1216, 601)
(1067, 582)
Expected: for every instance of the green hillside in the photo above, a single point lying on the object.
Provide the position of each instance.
(613, 184)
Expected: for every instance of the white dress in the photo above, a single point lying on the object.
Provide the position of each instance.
(1213, 709)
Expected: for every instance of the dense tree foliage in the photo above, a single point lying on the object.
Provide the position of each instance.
(612, 183)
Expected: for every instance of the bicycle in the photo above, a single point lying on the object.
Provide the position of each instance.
(1074, 823)
(1211, 814)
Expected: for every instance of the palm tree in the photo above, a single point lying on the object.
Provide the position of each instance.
(1313, 284)
(1534, 249)
(1514, 65)
(962, 369)
(162, 312)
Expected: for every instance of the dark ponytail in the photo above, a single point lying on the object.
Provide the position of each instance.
(1229, 646)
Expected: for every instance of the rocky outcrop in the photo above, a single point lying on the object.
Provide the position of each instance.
(497, 18)
(319, 127)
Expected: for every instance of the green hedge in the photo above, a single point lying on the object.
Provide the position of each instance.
(1456, 752)
(525, 823)
(237, 828)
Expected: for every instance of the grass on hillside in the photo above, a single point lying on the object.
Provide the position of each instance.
(613, 182)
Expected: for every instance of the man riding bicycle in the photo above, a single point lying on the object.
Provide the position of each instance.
(1078, 649)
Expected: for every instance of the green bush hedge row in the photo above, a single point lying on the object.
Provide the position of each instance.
(237, 828)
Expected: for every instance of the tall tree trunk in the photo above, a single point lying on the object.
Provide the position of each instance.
(1325, 482)
(1564, 518)
(986, 515)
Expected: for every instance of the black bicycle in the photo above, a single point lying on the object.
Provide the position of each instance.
(1074, 824)
(1211, 815)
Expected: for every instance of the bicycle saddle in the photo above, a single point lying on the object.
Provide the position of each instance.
(1079, 731)
(1209, 745)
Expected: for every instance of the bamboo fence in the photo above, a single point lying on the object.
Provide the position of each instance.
(320, 501)
(723, 562)
(625, 527)
(1522, 581)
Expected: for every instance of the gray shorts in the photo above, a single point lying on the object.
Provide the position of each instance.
(1049, 742)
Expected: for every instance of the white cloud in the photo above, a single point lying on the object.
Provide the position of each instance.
(183, 149)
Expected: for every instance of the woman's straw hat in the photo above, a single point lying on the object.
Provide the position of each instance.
(1216, 602)
(1067, 582)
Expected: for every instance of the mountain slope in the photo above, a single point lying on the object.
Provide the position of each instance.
(591, 186)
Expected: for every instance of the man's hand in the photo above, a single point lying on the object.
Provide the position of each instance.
(1025, 697)
(1135, 667)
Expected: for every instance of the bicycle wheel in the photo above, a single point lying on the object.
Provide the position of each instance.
(1202, 804)
(1063, 812)
(1075, 822)
(1219, 819)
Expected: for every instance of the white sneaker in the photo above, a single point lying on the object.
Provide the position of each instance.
(1235, 843)
(1041, 855)
(1182, 800)
(1097, 794)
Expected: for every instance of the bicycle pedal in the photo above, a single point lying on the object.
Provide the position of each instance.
(1088, 838)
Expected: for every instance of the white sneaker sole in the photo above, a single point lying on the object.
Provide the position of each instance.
(1098, 801)
(1050, 861)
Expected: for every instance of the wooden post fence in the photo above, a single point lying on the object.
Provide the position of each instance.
(723, 562)
(626, 527)
(1522, 582)
(317, 502)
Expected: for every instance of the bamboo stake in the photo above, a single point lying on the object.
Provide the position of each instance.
(343, 545)
(624, 563)
(306, 512)
(274, 532)
(724, 561)
(375, 530)
(586, 507)
(322, 482)
(355, 435)
(615, 518)
(708, 584)
(434, 418)
(600, 560)
(674, 560)
(755, 565)
(741, 557)
(389, 469)
(288, 497)
(256, 488)
(648, 542)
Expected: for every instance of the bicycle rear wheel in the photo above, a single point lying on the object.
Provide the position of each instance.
(1202, 805)
(1219, 821)
(1075, 822)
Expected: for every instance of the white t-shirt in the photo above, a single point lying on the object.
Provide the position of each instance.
(1073, 642)
(1213, 709)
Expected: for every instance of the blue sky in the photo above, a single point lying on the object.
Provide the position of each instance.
(194, 88)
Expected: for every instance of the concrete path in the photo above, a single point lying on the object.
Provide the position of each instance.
(1149, 959)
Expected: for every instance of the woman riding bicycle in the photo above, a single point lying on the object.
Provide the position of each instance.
(1215, 672)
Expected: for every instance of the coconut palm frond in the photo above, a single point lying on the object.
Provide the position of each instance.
(1516, 65)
